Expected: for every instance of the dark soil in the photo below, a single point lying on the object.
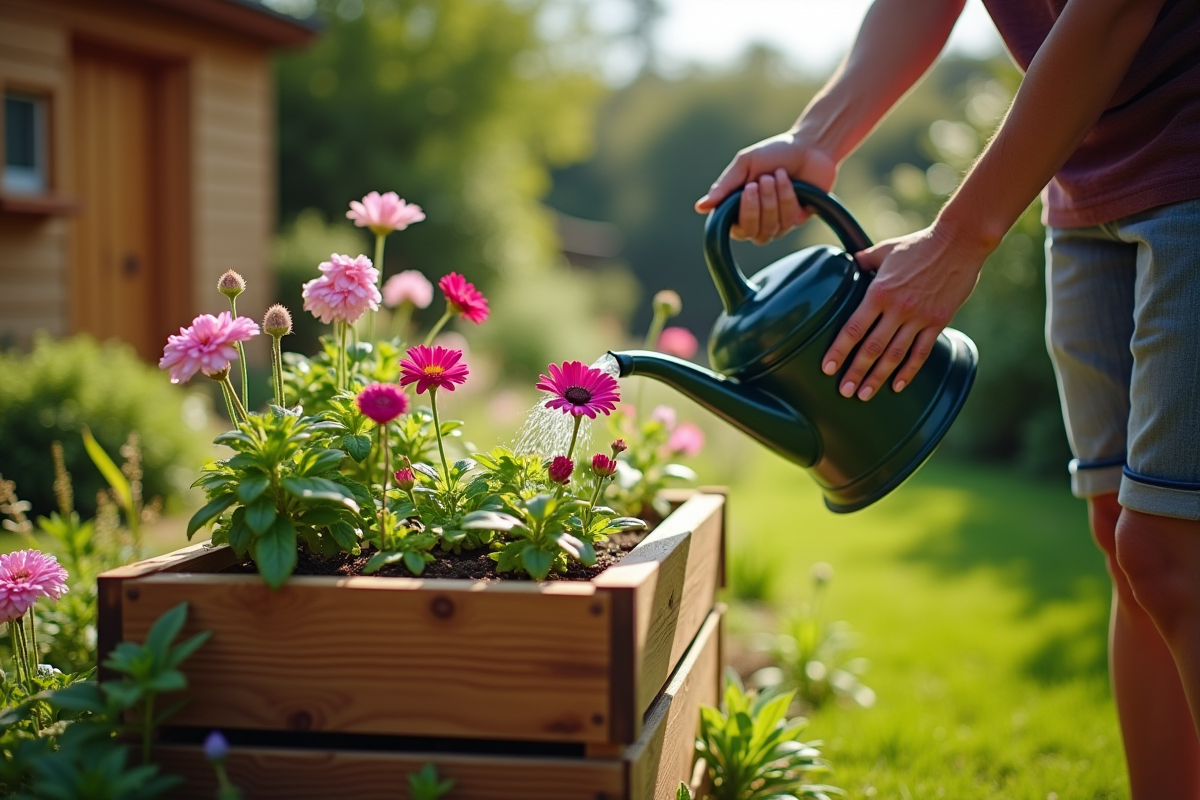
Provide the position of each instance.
(471, 565)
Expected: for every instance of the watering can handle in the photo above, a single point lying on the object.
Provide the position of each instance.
(718, 252)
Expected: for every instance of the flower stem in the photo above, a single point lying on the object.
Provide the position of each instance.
(18, 657)
(147, 727)
(441, 323)
(650, 343)
(387, 468)
(379, 237)
(237, 404)
(241, 356)
(437, 428)
(342, 355)
(277, 369)
(225, 392)
(401, 318)
(574, 435)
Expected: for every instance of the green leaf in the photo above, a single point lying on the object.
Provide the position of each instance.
(234, 438)
(164, 630)
(683, 793)
(537, 561)
(209, 512)
(427, 471)
(170, 681)
(344, 534)
(182, 652)
(358, 446)
(380, 560)
(324, 461)
(416, 562)
(251, 486)
(275, 552)
(319, 489)
(239, 535)
(80, 697)
(111, 472)
(260, 515)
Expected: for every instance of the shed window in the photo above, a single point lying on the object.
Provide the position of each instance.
(25, 144)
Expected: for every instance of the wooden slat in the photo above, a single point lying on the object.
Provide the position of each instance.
(463, 659)
(663, 756)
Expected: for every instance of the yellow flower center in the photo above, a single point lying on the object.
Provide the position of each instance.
(433, 370)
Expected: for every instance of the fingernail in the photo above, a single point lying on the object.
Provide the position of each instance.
(703, 199)
(866, 393)
(848, 389)
(830, 367)
(899, 385)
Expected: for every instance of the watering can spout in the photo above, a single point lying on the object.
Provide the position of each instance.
(760, 415)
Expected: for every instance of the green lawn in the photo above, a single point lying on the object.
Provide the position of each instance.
(982, 605)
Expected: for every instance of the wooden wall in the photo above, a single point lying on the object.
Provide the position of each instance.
(225, 175)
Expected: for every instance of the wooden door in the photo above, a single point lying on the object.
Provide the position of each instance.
(113, 292)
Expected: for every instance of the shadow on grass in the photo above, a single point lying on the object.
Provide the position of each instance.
(1036, 537)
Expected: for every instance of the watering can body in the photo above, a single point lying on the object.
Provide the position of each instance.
(766, 351)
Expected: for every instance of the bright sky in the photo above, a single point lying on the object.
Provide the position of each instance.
(815, 34)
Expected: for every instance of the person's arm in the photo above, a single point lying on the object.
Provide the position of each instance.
(923, 278)
(897, 42)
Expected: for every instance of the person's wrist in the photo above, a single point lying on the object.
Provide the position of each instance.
(813, 136)
(972, 233)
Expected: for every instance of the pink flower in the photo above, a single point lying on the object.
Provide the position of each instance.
(619, 446)
(409, 286)
(664, 415)
(579, 389)
(406, 479)
(675, 341)
(382, 402)
(560, 469)
(603, 466)
(384, 213)
(686, 440)
(25, 576)
(206, 346)
(345, 291)
(464, 298)
(432, 368)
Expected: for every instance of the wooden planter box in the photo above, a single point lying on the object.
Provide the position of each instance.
(576, 663)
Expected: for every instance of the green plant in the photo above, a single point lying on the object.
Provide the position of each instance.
(753, 574)
(425, 784)
(683, 792)
(753, 752)
(59, 388)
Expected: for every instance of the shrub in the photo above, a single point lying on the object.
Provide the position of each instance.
(62, 386)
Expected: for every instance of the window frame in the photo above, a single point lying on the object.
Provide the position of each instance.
(35, 181)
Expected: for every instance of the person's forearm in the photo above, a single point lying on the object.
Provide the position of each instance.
(1069, 84)
(898, 41)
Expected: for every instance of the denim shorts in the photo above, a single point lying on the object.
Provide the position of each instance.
(1123, 330)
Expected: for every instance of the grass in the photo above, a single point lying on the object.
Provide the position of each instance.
(982, 605)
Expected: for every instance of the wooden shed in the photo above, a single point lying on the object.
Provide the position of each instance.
(139, 162)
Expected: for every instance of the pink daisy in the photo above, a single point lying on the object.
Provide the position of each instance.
(579, 389)
(464, 298)
(345, 291)
(25, 576)
(686, 440)
(206, 346)
(560, 469)
(384, 213)
(409, 286)
(675, 341)
(382, 402)
(432, 368)
(603, 466)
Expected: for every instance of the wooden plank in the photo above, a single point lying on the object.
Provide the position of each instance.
(664, 755)
(670, 581)
(489, 661)
(269, 773)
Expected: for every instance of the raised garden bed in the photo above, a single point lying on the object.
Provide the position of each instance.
(577, 663)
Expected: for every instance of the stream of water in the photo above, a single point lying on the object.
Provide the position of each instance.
(548, 431)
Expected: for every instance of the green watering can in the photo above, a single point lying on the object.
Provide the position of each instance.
(766, 351)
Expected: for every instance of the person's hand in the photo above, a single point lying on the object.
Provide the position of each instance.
(769, 206)
(921, 280)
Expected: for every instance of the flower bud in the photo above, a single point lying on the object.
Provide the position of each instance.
(822, 573)
(216, 747)
(220, 375)
(277, 321)
(406, 479)
(603, 466)
(667, 304)
(619, 447)
(231, 284)
(560, 469)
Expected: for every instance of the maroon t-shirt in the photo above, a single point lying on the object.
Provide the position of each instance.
(1144, 151)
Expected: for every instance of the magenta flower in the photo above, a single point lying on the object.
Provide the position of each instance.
(384, 213)
(464, 298)
(206, 346)
(579, 389)
(382, 402)
(619, 446)
(686, 440)
(345, 291)
(675, 341)
(26, 575)
(409, 286)
(603, 466)
(560, 469)
(406, 479)
(432, 368)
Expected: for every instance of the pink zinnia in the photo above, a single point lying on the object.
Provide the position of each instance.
(579, 389)
(560, 469)
(464, 298)
(382, 402)
(432, 368)
(675, 341)
(409, 286)
(686, 440)
(345, 291)
(206, 346)
(384, 213)
(603, 466)
(25, 576)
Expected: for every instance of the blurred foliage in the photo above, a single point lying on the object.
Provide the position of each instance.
(661, 142)
(53, 392)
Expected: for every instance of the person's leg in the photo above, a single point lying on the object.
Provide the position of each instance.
(1090, 323)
